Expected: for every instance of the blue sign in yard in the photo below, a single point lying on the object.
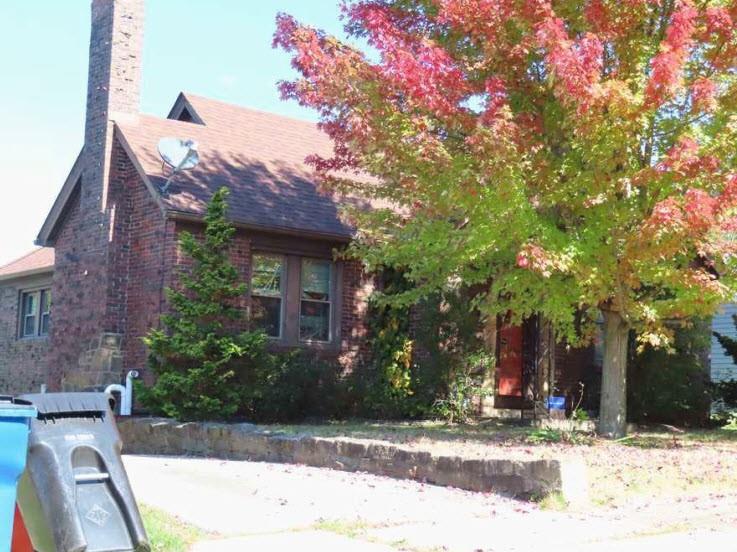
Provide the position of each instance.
(556, 403)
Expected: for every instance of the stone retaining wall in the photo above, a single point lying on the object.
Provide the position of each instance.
(523, 479)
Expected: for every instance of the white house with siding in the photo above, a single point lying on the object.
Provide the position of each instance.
(723, 367)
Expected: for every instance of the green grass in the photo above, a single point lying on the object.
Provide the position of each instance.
(167, 533)
(346, 528)
(553, 502)
(495, 431)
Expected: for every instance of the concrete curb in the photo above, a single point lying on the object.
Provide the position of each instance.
(518, 478)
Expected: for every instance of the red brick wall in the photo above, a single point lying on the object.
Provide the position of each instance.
(69, 280)
(357, 287)
(156, 260)
(140, 258)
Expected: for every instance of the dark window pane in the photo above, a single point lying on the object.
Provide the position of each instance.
(314, 321)
(28, 319)
(316, 280)
(266, 314)
(45, 312)
(30, 326)
(29, 304)
(267, 275)
(45, 324)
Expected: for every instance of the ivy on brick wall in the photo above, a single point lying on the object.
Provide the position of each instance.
(419, 355)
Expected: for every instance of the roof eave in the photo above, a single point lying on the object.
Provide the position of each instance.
(46, 234)
(26, 273)
(269, 229)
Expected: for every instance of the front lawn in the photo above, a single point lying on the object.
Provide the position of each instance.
(655, 463)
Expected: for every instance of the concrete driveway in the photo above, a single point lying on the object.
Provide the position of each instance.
(261, 506)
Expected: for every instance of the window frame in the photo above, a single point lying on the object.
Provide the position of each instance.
(282, 290)
(37, 293)
(46, 292)
(330, 302)
(292, 292)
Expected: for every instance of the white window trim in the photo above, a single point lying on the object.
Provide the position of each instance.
(37, 292)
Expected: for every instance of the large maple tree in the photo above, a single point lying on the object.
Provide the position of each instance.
(577, 158)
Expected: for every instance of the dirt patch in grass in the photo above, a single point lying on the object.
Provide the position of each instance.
(649, 464)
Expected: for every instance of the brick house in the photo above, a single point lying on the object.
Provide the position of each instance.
(113, 232)
(109, 246)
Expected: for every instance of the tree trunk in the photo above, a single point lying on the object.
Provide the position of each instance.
(613, 410)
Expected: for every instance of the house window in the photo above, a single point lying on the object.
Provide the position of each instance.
(35, 313)
(45, 310)
(315, 300)
(267, 283)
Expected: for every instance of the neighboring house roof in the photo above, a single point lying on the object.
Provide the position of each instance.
(259, 156)
(38, 261)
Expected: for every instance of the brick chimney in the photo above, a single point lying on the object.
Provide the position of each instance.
(113, 85)
(86, 332)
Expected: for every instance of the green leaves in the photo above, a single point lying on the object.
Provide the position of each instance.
(198, 353)
(581, 134)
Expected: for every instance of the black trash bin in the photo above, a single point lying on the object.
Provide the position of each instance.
(74, 494)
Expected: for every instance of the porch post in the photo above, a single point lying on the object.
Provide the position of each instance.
(489, 383)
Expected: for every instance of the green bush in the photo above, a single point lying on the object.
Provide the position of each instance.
(293, 386)
(386, 385)
(195, 356)
(459, 402)
(726, 393)
(671, 387)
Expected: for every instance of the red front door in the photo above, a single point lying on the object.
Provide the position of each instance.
(509, 369)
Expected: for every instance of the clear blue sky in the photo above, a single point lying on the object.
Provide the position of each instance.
(216, 48)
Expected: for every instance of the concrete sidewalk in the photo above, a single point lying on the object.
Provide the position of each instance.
(260, 506)
(303, 541)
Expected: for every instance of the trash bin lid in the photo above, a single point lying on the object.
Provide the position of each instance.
(16, 408)
(50, 405)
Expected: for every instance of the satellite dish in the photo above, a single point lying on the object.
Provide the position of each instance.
(179, 155)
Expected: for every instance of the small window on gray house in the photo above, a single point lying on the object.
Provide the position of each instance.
(35, 313)
(267, 281)
(315, 304)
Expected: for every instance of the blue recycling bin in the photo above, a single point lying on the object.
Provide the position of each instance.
(15, 419)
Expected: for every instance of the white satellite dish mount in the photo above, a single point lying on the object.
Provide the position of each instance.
(179, 155)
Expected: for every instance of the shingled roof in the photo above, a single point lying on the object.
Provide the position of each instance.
(259, 156)
(38, 261)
